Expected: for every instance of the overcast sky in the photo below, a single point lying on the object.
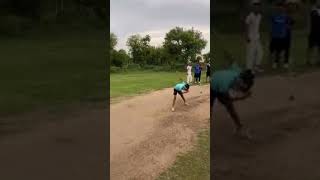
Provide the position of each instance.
(157, 17)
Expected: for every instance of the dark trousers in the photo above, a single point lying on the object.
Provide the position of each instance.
(279, 45)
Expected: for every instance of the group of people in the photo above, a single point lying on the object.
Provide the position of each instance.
(281, 35)
(183, 87)
(230, 85)
(197, 73)
(233, 84)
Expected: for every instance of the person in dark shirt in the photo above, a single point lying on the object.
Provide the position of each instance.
(314, 35)
(208, 72)
(279, 34)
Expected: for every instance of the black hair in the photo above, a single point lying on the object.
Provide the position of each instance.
(187, 86)
(248, 78)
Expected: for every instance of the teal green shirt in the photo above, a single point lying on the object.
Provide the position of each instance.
(180, 86)
(222, 81)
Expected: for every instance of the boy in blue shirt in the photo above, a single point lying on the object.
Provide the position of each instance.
(180, 89)
(280, 32)
(228, 86)
(197, 73)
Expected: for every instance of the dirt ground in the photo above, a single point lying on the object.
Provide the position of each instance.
(64, 146)
(286, 132)
(145, 136)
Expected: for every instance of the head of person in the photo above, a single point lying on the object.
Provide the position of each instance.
(280, 6)
(187, 86)
(246, 80)
(256, 6)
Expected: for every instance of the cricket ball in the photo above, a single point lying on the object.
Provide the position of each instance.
(291, 98)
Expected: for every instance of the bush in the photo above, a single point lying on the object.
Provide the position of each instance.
(114, 69)
(134, 67)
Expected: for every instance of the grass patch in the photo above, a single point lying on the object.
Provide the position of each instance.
(193, 165)
(50, 70)
(133, 83)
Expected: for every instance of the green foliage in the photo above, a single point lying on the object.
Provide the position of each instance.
(120, 58)
(184, 44)
(139, 48)
(163, 58)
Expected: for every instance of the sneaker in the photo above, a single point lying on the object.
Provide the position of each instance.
(186, 104)
(172, 109)
(275, 66)
(286, 66)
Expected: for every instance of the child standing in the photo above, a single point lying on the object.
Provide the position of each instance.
(208, 71)
(189, 73)
(197, 73)
(254, 47)
(180, 89)
(229, 86)
(314, 35)
(279, 35)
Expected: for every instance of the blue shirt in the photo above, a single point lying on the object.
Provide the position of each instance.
(197, 69)
(180, 86)
(279, 26)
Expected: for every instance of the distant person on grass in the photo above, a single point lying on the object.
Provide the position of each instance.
(180, 89)
(189, 73)
(280, 22)
(229, 86)
(197, 73)
(208, 72)
(314, 35)
(254, 47)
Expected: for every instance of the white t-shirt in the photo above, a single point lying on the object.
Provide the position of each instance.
(253, 23)
(189, 68)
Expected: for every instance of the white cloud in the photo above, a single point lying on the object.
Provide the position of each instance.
(157, 17)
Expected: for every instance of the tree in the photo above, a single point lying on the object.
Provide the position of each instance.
(120, 58)
(139, 48)
(184, 44)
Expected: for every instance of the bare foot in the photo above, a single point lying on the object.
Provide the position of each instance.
(172, 109)
(186, 104)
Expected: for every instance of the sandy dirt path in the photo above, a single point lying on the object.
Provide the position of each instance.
(64, 146)
(145, 136)
(286, 144)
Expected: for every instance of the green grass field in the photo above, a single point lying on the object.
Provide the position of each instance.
(192, 165)
(133, 83)
(51, 70)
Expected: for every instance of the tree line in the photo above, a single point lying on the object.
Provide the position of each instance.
(22, 13)
(180, 46)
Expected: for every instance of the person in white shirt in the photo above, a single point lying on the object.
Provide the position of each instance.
(189, 73)
(254, 47)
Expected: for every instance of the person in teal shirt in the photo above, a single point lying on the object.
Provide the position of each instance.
(228, 86)
(180, 89)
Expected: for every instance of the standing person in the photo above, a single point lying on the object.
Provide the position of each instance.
(279, 31)
(189, 73)
(290, 23)
(314, 35)
(197, 73)
(254, 47)
(208, 72)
